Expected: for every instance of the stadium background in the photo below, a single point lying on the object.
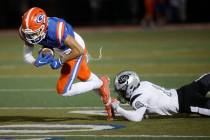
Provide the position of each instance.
(96, 12)
(170, 54)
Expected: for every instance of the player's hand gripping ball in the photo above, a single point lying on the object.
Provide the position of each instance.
(45, 56)
(55, 63)
(46, 51)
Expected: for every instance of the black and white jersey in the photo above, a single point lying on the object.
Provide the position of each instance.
(156, 99)
(151, 98)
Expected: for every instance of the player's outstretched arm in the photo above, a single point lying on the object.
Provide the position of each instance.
(27, 54)
(27, 49)
(76, 49)
(135, 115)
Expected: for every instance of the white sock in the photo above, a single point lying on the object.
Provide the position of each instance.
(202, 111)
(83, 87)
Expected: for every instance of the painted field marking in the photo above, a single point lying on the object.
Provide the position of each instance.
(4, 90)
(91, 112)
(28, 90)
(59, 108)
(111, 136)
(29, 76)
(47, 108)
(54, 128)
(56, 76)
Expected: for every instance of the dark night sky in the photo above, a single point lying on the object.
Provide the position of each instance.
(80, 12)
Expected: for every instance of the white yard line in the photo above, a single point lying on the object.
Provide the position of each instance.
(52, 128)
(49, 108)
(15, 90)
(55, 76)
(28, 90)
(58, 108)
(112, 136)
(29, 76)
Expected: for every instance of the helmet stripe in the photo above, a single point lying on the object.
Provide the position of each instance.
(27, 17)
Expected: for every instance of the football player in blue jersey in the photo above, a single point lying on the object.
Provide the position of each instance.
(55, 33)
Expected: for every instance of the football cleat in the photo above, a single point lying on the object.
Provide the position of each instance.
(105, 94)
(104, 90)
(110, 112)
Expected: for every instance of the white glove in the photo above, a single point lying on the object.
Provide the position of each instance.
(115, 104)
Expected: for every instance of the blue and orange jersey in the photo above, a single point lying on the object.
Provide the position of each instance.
(57, 31)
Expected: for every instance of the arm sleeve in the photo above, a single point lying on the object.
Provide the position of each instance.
(135, 115)
(27, 54)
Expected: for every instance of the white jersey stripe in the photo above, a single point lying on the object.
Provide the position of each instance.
(201, 77)
(27, 18)
(60, 31)
(73, 75)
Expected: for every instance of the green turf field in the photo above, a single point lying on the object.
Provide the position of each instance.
(168, 57)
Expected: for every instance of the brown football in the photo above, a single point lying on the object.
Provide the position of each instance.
(46, 51)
